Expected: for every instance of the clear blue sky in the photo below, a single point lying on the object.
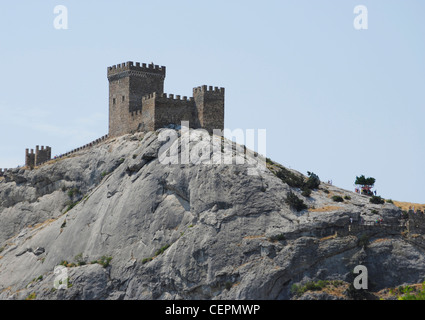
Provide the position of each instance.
(334, 100)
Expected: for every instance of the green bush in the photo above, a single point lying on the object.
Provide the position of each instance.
(157, 253)
(269, 161)
(306, 193)
(73, 192)
(362, 180)
(71, 205)
(31, 296)
(410, 293)
(278, 237)
(376, 200)
(80, 259)
(294, 202)
(104, 261)
(347, 198)
(390, 201)
(363, 241)
(313, 181)
(337, 199)
(162, 250)
(228, 285)
(299, 290)
(290, 178)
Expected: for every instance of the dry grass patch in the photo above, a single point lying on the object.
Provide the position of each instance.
(333, 236)
(406, 205)
(381, 240)
(325, 209)
(254, 237)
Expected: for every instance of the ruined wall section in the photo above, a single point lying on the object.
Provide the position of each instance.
(29, 158)
(42, 155)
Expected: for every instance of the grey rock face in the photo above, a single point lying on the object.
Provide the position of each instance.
(126, 226)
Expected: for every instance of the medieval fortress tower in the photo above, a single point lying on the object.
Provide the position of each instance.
(137, 102)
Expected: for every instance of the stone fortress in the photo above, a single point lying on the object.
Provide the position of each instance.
(40, 156)
(137, 102)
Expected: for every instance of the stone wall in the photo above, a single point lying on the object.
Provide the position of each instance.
(137, 102)
(173, 110)
(128, 84)
(42, 155)
(210, 107)
(86, 146)
(29, 158)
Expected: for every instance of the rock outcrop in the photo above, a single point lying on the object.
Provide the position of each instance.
(113, 222)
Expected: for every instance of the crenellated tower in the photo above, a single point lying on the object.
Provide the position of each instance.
(209, 103)
(137, 101)
(40, 156)
(128, 83)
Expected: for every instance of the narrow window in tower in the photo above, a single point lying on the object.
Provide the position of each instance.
(113, 101)
(123, 98)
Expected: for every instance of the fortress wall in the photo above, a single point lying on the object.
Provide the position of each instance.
(170, 109)
(148, 113)
(128, 84)
(143, 118)
(88, 145)
(119, 109)
(210, 107)
(42, 155)
(29, 158)
(142, 86)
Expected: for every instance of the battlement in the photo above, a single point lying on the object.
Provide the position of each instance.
(208, 89)
(149, 96)
(138, 102)
(168, 96)
(173, 97)
(136, 113)
(135, 69)
(40, 156)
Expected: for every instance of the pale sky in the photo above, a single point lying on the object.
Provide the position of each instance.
(334, 100)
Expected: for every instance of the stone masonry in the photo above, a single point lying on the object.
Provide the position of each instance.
(41, 155)
(137, 101)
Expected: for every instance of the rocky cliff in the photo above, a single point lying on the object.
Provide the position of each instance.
(122, 225)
